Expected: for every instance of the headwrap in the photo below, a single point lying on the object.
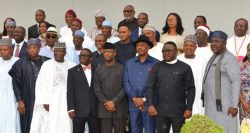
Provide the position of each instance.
(77, 20)
(33, 41)
(220, 34)
(204, 28)
(10, 23)
(71, 12)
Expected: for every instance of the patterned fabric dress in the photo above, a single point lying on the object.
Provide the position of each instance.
(245, 85)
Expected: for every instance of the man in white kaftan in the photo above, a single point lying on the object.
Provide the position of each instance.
(198, 66)
(9, 115)
(51, 89)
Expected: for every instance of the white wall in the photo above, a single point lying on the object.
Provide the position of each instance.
(220, 14)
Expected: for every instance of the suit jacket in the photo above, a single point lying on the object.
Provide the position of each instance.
(135, 35)
(108, 85)
(23, 51)
(80, 97)
(33, 31)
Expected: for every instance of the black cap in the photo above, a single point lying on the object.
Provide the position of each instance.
(108, 45)
(145, 39)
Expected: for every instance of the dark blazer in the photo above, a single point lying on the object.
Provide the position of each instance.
(80, 97)
(23, 51)
(33, 31)
(135, 35)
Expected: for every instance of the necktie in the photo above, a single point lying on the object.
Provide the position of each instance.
(17, 50)
(86, 67)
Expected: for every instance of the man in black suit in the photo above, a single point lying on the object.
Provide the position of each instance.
(33, 31)
(173, 82)
(20, 46)
(81, 99)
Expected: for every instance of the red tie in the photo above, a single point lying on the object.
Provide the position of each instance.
(86, 67)
(17, 50)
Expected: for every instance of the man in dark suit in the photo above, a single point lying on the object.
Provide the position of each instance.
(142, 21)
(173, 82)
(33, 31)
(81, 100)
(20, 46)
(108, 86)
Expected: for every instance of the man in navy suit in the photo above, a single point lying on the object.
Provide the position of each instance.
(33, 31)
(81, 99)
(20, 46)
(142, 21)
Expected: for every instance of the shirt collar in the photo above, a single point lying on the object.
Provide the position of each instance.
(172, 62)
(148, 59)
(20, 44)
(85, 66)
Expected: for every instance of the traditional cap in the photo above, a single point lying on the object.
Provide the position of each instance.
(33, 41)
(144, 39)
(204, 28)
(220, 34)
(10, 23)
(6, 42)
(99, 13)
(149, 27)
(108, 45)
(59, 45)
(71, 12)
(77, 20)
(53, 31)
(106, 23)
(79, 33)
(191, 38)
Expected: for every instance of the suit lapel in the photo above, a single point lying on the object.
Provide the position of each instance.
(23, 49)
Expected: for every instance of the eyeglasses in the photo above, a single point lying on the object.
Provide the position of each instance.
(167, 50)
(84, 55)
(128, 11)
(51, 36)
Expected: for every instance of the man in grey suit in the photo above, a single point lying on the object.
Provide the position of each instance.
(221, 85)
(108, 86)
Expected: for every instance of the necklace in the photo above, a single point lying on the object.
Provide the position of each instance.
(237, 52)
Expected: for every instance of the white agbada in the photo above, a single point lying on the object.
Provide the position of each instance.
(51, 88)
(204, 52)
(238, 46)
(156, 51)
(9, 115)
(198, 66)
(87, 43)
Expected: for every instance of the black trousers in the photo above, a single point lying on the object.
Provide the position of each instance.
(164, 123)
(107, 125)
(93, 123)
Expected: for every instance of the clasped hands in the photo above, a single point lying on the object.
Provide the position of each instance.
(110, 106)
(139, 103)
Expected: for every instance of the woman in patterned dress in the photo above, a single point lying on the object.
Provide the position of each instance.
(245, 86)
